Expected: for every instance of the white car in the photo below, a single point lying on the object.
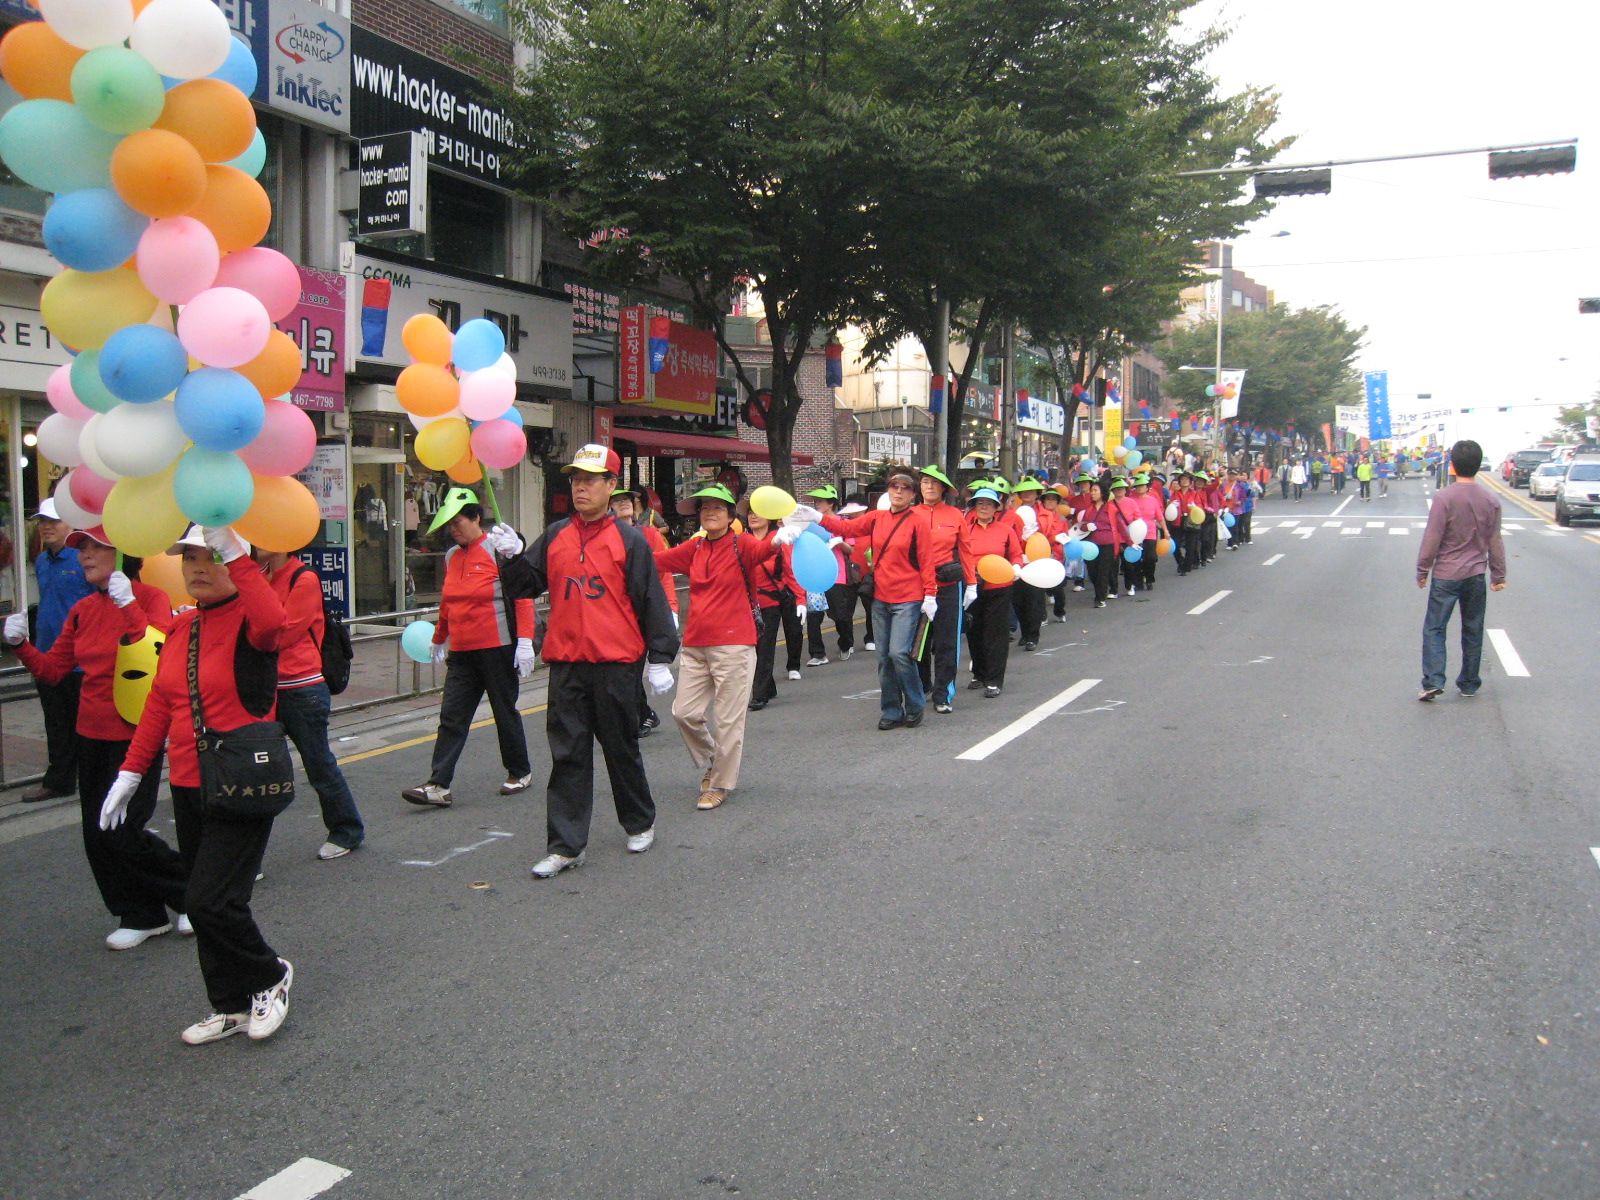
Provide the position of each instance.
(1545, 483)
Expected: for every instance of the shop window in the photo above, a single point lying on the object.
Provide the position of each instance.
(274, 131)
(492, 11)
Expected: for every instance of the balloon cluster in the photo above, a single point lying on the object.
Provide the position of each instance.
(137, 118)
(460, 392)
(1125, 452)
(1227, 391)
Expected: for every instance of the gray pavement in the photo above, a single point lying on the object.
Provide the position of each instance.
(1242, 919)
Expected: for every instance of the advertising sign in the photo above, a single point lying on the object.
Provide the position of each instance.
(317, 327)
(1111, 422)
(327, 479)
(302, 54)
(1230, 408)
(1377, 383)
(1351, 417)
(395, 90)
(332, 565)
(687, 380)
(1044, 417)
(890, 447)
(537, 322)
(393, 196)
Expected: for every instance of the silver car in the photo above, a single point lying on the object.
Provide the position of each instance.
(1545, 482)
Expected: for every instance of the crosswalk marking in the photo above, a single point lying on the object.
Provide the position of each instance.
(1287, 524)
(1399, 530)
(1510, 660)
(1374, 524)
(1350, 530)
(1332, 524)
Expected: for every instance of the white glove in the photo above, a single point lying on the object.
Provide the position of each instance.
(523, 659)
(788, 535)
(801, 610)
(930, 605)
(438, 651)
(115, 810)
(968, 595)
(835, 542)
(1090, 527)
(120, 588)
(16, 629)
(1063, 538)
(803, 515)
(659, 677)
(224, 542)
(504, 541)
(1016, 571)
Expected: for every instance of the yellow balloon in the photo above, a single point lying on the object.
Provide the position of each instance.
(136, 671)
(141, 516)
(84, 308)
(443, 443)
(1197, 515)
(994, 569)
(1037, 547)
(773, 503)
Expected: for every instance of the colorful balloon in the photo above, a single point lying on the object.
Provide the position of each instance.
(1134, 458)
(1074, 549)
(285, 444)
(467, 471)
(276, 369)
(186, 39)
(117, 90)
(815, 568)
(1045, 573)
(165, 571)
(54, 147)
(1090, 551)
(84, 308)
(138, 440)
(1163, 547)
(486, 395)
(37, 63)
(58, 391)
(89, 491)
(992, 568)
(214, 117)
(428, 391)
(443, 443)
(427, 339)
(90, 450)
(92, 229)
(141, 516)
(141, 363)
(219, 409)
(70, 510)
(234, 207)
(224, 327)
(267, 275)
(212, 488)
(58, 440)
(284, 518)
(1138, 530)
(499, 444)
(478, 343)
(1036, 547)
(156, 173)
(416, 640)
(89, 23)
(239, 68)
(254, 160)
(177, 259)
(774, 504)
(1133, 553)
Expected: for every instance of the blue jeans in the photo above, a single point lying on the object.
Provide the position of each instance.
(303, 712)
(894, 628)
(1443, 595)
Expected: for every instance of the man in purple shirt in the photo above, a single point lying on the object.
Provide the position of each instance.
(1461, 543)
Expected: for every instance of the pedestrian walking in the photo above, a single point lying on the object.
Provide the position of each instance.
(629, 508)
(988, 615)
(608, 613)
(858, 550)
(783, 605)
(1027, 601)
(955, 576)
(304, 701)
(139, 875)
(1364, 478)
(841, 597)
(1109, 533)
(1461, 544)
(1385, 471)
(1051, 503)
(218, 675)
(485, 639)
(1297, 478)
(1285, 470)
(61, 585)
(1336, 466)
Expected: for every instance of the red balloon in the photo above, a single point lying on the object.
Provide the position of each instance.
(88, 490)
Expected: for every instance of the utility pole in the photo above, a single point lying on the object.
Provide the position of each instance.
(1008, 402)
(1222, 312)
(941, 370)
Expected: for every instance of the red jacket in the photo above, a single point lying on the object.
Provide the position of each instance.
(299, 590)
(902, 551)
(997, 537)
(657, 542)
(774, 580)
(719, 600)
(472, 608)
(94, 629)
(238, 674)
(1110, 529)
(947, 530)
(607, 604)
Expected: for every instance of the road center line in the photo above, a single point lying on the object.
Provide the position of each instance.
(1510, 660)
(1205, 604)
(1026, 722)
(1340, 509)
(1272, 560)
(298, 1181)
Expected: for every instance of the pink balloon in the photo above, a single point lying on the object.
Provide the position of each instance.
(499, 444)
(265, 274)
(224, 327)
(285, 444)
(177, 259)
(486, 394)
(89, 490)
(58, 390)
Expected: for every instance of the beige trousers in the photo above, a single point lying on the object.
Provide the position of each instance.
(713, 700)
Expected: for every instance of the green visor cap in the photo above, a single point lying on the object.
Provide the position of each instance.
(1027, 484)
(715, 491)
(454, 501)
(825, 492)
(1087, 479)
(1119, 481)
(1200, 475)
(932, 472)
(1000, 485)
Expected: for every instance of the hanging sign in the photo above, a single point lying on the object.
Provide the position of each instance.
(393, 197)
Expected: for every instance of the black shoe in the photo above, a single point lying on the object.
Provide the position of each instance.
(975, 685)
(888, 723)
(1030, 645)
(1429, 693)
(651, 720)
(990, 692)
(758, 705)
(944, 707)
(915, 719)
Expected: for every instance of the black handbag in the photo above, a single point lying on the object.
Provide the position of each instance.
(245, 773)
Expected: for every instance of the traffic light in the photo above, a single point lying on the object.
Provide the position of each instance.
(1317, 181)
(1548, 160)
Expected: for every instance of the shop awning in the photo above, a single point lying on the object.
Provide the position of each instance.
(664, 443)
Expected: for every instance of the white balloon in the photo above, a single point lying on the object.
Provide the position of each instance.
(78, 518)
(883, 502)
(1138, 531)
(418, 423)
(1172, 511)
(89, 24)
(1044, 573)
(58, 439)
(91, 452)
(506, 365)
(186, 39)
(140, 439)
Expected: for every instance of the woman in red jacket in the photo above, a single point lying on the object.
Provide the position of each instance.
(1110, 534)
(138, 874)
(236, 629)
(989, 618)
(782, 601)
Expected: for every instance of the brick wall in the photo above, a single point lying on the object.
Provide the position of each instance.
(822, 430)
(441, 31)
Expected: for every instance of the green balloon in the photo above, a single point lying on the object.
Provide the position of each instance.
(253, 160)
(117, 90)
(54, 147)
(212, 487)
(87, 385)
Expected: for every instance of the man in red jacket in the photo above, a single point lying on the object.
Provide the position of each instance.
(608, 613)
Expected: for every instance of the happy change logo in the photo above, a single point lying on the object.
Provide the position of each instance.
(317, 43)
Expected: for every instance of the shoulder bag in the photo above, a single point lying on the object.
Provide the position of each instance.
(245, 773)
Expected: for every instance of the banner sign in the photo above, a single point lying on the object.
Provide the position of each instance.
(890, 447)
(1377, 384)
(1230, 408)
(317, 326)
(687, 380)
(393, 196)
(332, 565)
(1111, 422)
(1044, 417)
(1351, 417)
(327, 479)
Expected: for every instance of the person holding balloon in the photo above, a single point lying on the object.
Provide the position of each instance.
(841, 596)
(1133, 520)
(117, 627)
(783, 604)
(1051, 503)
(1029, 521)
(1146, 505)
(957, 578)
(997, 548)
(61, 586)
(1109, 534)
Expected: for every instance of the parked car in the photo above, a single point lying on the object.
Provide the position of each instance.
(1579, 496)
(1545, 482)
(1524, 463)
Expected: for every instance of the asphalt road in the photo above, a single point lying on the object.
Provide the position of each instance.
(1240, 920)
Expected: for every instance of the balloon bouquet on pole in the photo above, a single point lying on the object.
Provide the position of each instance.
(174, 408)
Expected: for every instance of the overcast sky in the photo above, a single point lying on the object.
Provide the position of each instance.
(1468, 287)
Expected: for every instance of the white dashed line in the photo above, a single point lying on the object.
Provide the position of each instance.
(1205, 604)
(1374, 524)
(1287, 524)
(1398, 531)
(1272, 560)
(1510, 660)
(1332, 524)
(1595, 850)
(1026, 722)
(1350, 531)
(1340, 509)
(300, 1181)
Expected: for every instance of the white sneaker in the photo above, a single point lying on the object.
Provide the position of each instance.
(513, 785)
(1131, 592)
(820, 661)
(794, 674)
(552, 865)
(638, 843)
(127, 939)
(1077, 587)
(269, 1009)
(215, 1027)
(331, 850)
(868, 646)
(845, 655)
(430, 794)
(184, 928)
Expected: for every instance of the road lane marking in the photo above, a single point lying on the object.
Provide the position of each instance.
(1340, 509)
(299, 1181)
(1026, 722)
(1350, 531)
(1595, 850)
(1205, 604)
(1398, 531)
(423, 741)
(1287, 524)
(1332, 524)
(495, 835)
(1374, 524)
(1510, 660)
(1272, 560)
(1305, 531)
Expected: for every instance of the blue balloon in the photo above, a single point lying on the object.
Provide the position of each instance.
(1228, 519)
(1133, 553)
(219, 409)
(142, 363)
(417, 640)
(814, 566)
(240, 67)
(212, 488)
(478, 344)
(1130, 441)
(1134, 459)
(1090, 551)
(816, 530)
(254, 160)
(92, 229)
(1074, 549)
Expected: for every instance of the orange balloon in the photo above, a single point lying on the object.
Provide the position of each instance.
(427, 390)
(466, 471)
(284, 516)
(214, 117)
(235, 208)
(427, 339)
(994, 569)
(37, 63)
(165, 571)
(1036, 547)
(276, 369)
(158, 173)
